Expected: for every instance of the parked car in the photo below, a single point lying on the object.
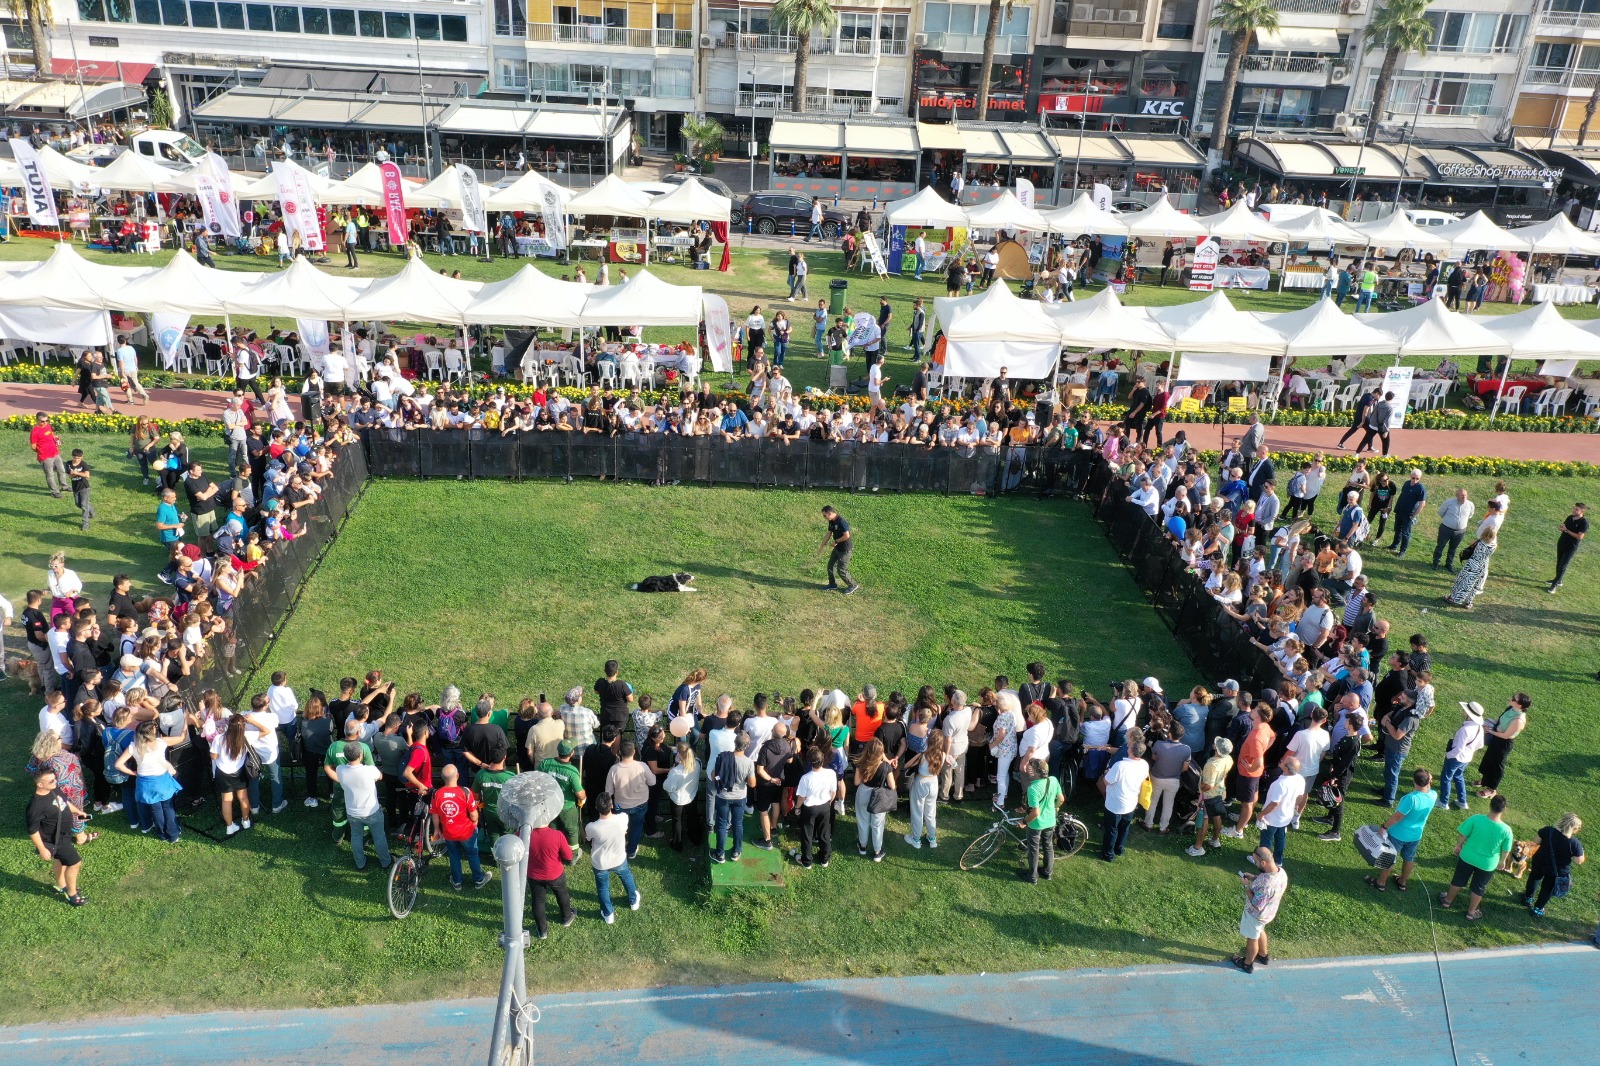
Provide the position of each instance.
(774, 211)
(716, 185)
(1429, 219)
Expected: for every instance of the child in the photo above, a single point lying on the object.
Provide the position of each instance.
(1213, 797)
(78, 473)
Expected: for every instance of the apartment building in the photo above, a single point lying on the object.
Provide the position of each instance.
(1561, 71)
(1117, 65)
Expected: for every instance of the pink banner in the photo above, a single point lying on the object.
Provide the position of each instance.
(394, 202)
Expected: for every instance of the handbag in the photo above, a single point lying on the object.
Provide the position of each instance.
(883, 800)
(252, 764)
(1563, 884)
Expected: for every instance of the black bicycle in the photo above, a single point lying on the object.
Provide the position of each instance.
(1071, 835)
(421, 846)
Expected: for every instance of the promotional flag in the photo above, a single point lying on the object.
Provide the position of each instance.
(314, 332)
(555, 218)
(35, 185)
(719, 332)
(394, 203)
(864, 330)
(168, 332)
(1203, 268)
(474, 217)
(1397, 379)
(299, 204)
(214, 186)
(1102, 196)
(1025, 192)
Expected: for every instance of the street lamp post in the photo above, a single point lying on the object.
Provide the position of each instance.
(422, 98)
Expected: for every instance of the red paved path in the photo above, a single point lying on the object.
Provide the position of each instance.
(177, 404)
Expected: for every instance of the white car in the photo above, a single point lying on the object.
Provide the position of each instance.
(1429, 219)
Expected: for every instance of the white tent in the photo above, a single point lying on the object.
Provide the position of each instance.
(301, 291)
(1324, 331)
(1541, 332)
(526, 194)
(1215, 325)
(1103, 321)
(1239, 223)
(530, 297)
(265, 186)
(1395, 231)
(132, 172)
(1082, 216)
(691, 202)
(1320, 228)
(1477, 231)
(1006, 212)
(645, 300)
(183, 286)
(446, 189)
(994, 329)
(65, 173)
(1557, 236)
(926, 208)
(66, 280)
(415, 294)
(1161, 219)
(365, 186)
(1432, 329)
(612, 196)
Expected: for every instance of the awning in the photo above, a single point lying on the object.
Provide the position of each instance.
(1090, 148)
(1163, 152)
(101, 70)
(1486, 167)
(984, 146)
(585, 124)
(1298, 39)
(871, 141)
(1322, 159)
(67, 99)
(940, 137)
(1222, 366)
(789, 135)
(1027, 147)
(239, 105)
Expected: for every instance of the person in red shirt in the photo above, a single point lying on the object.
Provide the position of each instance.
(455, 819)
(1252, 764)
(418, 772)
(548, 857)
(47, 449)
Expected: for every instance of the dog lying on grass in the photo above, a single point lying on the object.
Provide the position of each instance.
(666, 583)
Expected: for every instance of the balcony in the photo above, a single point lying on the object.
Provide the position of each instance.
(1286, 64)
(765, 42)
(1567, 79)
(1310, 7)
(1559, 22)
(610, 36)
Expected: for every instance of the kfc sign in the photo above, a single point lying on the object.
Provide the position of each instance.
(1161, 107)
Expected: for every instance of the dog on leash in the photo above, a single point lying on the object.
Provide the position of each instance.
(1516, 861)
(27, 670)
(666, 583)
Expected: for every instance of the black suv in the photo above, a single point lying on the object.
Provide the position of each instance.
(773, 212)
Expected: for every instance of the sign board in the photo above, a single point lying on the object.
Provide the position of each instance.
(1203, 268)
(1349, 172)
(1188, 406)
(1397, 379)
(869, 241)
(1238, 405)
(1486, 172)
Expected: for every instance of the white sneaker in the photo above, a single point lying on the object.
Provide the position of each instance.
(1296, 823)
(311, 801)
(232, 829)
(111, 808)
(913, 841)
(280, 808)
(609, 919)
(933, 843)
(244, 823)
(638, 898)
(1195, 853)
(1233, 834)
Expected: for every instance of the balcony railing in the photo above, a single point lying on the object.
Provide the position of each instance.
(1571, 79)
(1287, 64)
(766, 42)
(1568, 20)
(612, 36)
(1310, 7)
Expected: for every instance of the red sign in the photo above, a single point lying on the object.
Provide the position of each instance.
(394, 202)
(1071, 104)
(966, 101)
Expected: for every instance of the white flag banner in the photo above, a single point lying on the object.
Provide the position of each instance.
(1397, 379)
(214, 186)
(299, 204)
(1025, 193)
(555, 218)
(314, 334)
(167, 329)
(476, 220)
(1102, 196)
(35, 185)
(864, 330)
(719, 332)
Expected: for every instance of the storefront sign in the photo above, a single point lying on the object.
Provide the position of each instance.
(1086, 104)
(999, 106)
(1485, 172)
(1349, 172)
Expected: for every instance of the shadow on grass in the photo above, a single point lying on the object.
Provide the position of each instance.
(702, 569)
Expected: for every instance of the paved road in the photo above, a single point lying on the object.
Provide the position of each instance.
(1532, 1005)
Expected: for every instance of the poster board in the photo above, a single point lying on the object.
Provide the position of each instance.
(1397, 379)
(869, 242)
(1203, 268)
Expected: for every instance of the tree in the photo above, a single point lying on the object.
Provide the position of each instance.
(1399, 27)
(1239, 20)
(803, 18)
(703, 134)
(990, 33)
(37, 14)
(161, 115)
(1588, 113)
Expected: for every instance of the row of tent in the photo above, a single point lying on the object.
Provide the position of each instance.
(691, 201)
(1316, 227)
(68, 282)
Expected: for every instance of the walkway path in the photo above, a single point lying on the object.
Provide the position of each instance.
(1531, 1004)
(178, 404)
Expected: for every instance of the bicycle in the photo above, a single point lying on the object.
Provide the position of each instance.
(421, 846)
(1071, 835)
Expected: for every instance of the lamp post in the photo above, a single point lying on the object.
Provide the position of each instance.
(527, 801)
(1411, 135)
(422, 99)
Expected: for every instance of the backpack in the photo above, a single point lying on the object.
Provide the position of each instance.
(450, 727)
(115, 746)
(725, 774)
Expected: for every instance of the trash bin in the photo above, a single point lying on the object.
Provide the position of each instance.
(837, 288)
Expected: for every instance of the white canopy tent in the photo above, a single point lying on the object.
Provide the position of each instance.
(1239, 223)
(446, 189)
(644, 300)
(183, 286)
(1006, 212)
(926, 208)
(365, 186)
(1541, 332)
(1478, 231)
(994, 329)
(68, 281)
(1163, 220)
(1432, 329)
(1396, 231)
(611, 196)
(1320, 228)
(1082, 216)
(1222, 366)
(1104, 321)
(65, 173)
(1324, 331)
(527, 193)
(691, 202)
(1557, 236)
(265, 187)
(132, 172)
(415, 294)
(1215, 325)
(299, 291)
(530, 297)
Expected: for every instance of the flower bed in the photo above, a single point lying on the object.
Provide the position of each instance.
(1443, 419)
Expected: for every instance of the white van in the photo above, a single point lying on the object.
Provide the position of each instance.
(1429, 219)
(169, 148)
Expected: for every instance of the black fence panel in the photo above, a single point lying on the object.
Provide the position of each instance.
(924, 469)
(785, 464)
(446, 453)
(589, 455)
(394, 452)
(493, 455)
(545, 455)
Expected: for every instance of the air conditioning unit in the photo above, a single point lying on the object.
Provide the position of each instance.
(707, 41)
(1355, 7)
(921, 40)
(1082, 12)
(1339, 74)
(1341, 122)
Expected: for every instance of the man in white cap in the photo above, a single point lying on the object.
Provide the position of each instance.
(1151, 696)
(1458, 755)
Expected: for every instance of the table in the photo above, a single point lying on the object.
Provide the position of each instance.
(1302, 279)
(1563, 294)
(1487, 386)
(1241, 277)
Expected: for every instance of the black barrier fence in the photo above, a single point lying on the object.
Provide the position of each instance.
(715, 460)
(1214, 640)
(260, 609)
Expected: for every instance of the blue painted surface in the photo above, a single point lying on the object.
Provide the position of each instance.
(1531, 1005)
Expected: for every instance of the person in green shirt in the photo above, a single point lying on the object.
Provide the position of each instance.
(487, 784)
(1369, 287)
(1485, 842)
(572, 794)
(1044, 797)
(330, 766)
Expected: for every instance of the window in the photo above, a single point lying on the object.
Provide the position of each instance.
(856, 31)
(342, 21)
(118, 11)
(893, 32)
(674, 80)
(174, 13)
(548, 77)
(511, 18)
(286, 19)
(313, 19)
(204, 13)
(427, 26)
(454, 27)
(147, 11)
(371, 23)
(397, 24)
(1445, 93)
(511, 74)
(615, 17)
(628, 83)
(666, 20)
(1552, 54)
(230, 16)
(756, 20)
(1476, 33)
(1177, 19)
(92, 10)
(722, 22)
(588, 77)
(260, 17)
(961, 28)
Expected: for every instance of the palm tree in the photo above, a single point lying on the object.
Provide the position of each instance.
(990, 33)
(1239, 19)
(803, 18)
(36, 13)
(1399, 27)
(704, 135)
(1588, 113)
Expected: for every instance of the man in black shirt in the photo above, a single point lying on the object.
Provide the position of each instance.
(598, 759)
(843, 546)
(79, 475)
(1573, 529)
(614, 696)
(36, 628)
(204, 498)
(49, 820)
(80, 662)
(483, 743)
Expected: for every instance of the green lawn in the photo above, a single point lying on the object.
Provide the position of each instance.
(514, 588)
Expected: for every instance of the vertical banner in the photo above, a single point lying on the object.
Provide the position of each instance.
(472, 213)
(35, 185)
(299, 204)
(874, 254)
(394, 202)
(555, 218)
(1025, 192)
(1102, 196)
(1203, 270)
(1397, 379)
(214, 182)
(314, 334)
(167, 329)
(719, 332)
(864, 330)
(897, 249)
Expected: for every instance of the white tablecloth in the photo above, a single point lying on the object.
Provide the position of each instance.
(1248, 277)
(1302, 279)
(1563, 294)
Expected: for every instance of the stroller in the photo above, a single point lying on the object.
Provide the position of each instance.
(1187, 802)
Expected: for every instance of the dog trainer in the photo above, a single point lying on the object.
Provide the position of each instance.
(843, 544)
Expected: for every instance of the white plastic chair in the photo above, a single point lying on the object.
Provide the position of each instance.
(454, 365)
(608, 373)
(1269, 396)
(151, 244)
(632, 371)
(691, 371)
(1552, 401)
(435, 364)
(1441, 392)
(497, 359)
(1345, 398)
(528, 369)
(1326, 395)
(1591, 401)
(1509, 400)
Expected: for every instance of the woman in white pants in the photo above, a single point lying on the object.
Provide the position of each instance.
(1167, 759)
(1008, 728)
(873, 771)
(924, 769)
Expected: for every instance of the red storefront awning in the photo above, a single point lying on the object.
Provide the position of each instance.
(101, 70)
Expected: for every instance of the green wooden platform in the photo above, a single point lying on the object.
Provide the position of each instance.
(756, 868)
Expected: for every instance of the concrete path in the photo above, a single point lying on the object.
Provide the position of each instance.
(1532, 1005)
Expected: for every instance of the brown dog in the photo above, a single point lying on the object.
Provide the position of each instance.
(1516, 861)
(28, 670)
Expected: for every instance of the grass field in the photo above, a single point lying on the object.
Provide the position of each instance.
(514, 588)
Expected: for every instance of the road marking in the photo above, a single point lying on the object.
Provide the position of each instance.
(1040, 977)
(798, 990)
(131, 1034)
(1366, 997)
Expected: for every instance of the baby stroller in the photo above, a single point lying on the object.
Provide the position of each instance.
(1187, 801)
